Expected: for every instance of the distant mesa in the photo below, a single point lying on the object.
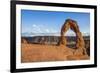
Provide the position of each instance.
(32, 34)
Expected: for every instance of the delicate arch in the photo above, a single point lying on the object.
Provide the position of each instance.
(72, 24)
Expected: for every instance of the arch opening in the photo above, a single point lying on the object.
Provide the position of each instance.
(70, 38)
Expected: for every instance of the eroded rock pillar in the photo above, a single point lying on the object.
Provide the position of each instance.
(63, 38)
(80, 45)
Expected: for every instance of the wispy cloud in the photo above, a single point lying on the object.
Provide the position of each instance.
(34, 25)
(42, 29)
(36, 29)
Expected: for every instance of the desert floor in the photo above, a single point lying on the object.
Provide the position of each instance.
(42, 53)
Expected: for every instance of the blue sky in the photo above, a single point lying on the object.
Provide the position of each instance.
(34, 21)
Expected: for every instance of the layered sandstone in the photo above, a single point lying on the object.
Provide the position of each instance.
(80, 45)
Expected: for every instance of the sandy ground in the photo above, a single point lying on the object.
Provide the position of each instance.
(41, 53)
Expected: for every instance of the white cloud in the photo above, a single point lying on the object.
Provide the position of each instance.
(47, 30)
(36, 28)
(34, 25)
(40, 29)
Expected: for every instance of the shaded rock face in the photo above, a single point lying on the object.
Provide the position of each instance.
(23, 40)
(80, 45)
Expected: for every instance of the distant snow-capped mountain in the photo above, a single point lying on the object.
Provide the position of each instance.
(50, 34)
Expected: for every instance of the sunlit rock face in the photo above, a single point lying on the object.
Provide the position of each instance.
(72, 24)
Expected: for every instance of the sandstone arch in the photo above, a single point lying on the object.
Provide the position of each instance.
(72, 24)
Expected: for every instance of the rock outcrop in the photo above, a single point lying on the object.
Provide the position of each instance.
(23, 40)
(80, 45)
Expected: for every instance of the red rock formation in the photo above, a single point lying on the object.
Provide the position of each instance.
(80, 45)
(24, 41)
